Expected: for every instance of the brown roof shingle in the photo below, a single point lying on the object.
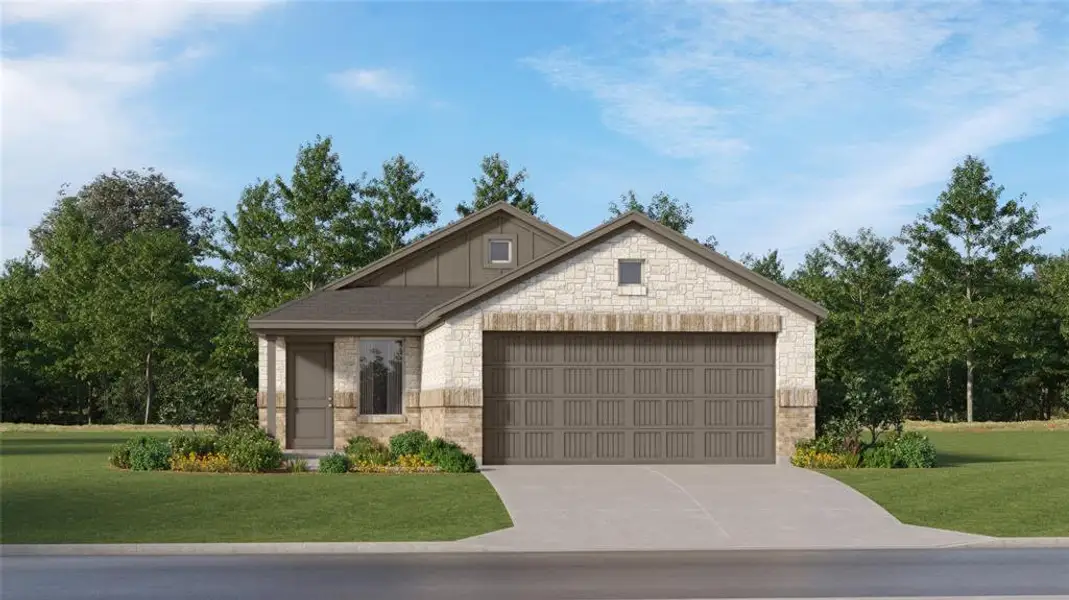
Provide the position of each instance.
(397, 305)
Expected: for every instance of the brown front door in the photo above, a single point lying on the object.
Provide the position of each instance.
(626, 398)
(311, 410)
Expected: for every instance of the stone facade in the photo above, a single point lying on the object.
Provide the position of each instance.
(690, 295)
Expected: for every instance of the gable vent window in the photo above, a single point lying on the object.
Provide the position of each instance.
(630, 272)
(501, 251)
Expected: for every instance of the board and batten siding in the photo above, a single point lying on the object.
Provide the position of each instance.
(458, 260)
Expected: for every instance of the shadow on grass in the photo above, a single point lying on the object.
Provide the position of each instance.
(954, 459)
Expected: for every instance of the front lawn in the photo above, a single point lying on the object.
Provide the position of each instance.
(57, 488)
(1000, 481)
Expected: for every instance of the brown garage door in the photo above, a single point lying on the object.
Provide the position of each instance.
(554, 398)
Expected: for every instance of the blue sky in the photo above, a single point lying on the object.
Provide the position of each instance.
(778, 122)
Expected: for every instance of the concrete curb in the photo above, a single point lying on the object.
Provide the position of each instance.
(1021, 542)
(281, 548)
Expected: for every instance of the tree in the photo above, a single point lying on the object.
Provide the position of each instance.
(769, 265)
(149, 288)
(284, 240)
(116, 203)
(664, 209)
(292, 237)
(394, 206)
(964, 254)
(498, 184)
(856, 280)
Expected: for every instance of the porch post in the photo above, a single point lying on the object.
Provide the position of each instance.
(271, 383)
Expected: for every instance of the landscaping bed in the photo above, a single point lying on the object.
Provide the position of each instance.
(59, 488)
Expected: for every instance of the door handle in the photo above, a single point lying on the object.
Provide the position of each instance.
(330, 402)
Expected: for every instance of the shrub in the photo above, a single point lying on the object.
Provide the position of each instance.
(297, 465)
(406, 463)
(811, 458)
(206, 463)
(408, 442)
(120, 456)
(913, 450)
(200, 444)
(251, 450)
(364, 449)
(334, 463)
(448, 457)
(434, 448)
(457, 462)
(149, 453)
(880, 456)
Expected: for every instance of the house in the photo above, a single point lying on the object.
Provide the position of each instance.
(628, 344)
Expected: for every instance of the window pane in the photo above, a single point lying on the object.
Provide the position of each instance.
(500, 251)
(630, 271)
(380, 377)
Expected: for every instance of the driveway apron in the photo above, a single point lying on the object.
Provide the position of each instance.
(692, 507)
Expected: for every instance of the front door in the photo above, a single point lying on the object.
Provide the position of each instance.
(311, 410)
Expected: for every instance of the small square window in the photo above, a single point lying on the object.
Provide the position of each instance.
(630, 272)
(501, 251)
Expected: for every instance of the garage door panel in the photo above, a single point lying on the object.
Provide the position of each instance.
(629, 398)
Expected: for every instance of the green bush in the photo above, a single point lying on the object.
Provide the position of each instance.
(251, 450)
(448, 457)
(408, 442)
(369, 450)
(120, 456)
(199, 444)
(334, 463)
(914, 450)
(149, 453)
(880, 456)
(909, 450)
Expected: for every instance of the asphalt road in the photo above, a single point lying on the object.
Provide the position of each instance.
(601, 576)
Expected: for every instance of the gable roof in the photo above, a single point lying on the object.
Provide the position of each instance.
(356, 308)
(440, 234)
(632, 219)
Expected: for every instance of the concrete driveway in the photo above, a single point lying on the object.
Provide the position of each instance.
(686, 507)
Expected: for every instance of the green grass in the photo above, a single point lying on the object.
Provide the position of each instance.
(58, 488)
(990, 481)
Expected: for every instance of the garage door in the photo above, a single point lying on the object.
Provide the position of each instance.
(556, 398)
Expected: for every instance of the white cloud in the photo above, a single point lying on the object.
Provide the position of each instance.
(822, 115)
(78, 108)
(383, 83)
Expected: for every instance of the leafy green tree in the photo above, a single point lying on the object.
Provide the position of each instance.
(119, 202)
(395, 206)
(664, 209)
(769, 265)
(149, 287)
(856, 279)
(964, 255)
(291, 237)
(285, 239)
(498, 184)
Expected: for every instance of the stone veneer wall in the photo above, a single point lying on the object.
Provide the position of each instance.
(280, 386)
(674, 284)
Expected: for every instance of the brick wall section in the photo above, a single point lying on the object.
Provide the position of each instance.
(675, 284)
